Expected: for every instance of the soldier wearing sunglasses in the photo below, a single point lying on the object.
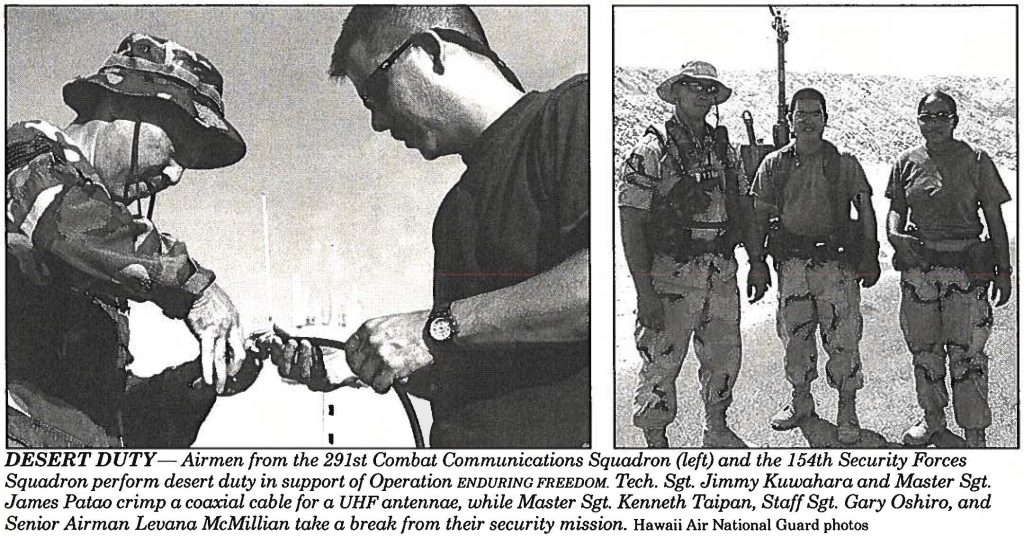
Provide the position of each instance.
(507, 341)
(947, 267)
(682, 208)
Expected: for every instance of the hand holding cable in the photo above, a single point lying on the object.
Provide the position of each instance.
(308, 360)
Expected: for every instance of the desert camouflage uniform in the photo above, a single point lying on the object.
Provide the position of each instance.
(942, 312)
(816, 293)
(944, 309)
(822, 296)
(699, 294)
(67, 325)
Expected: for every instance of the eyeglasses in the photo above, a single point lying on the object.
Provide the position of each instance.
(812, 114)
(375, 86)
(699, 87)
(935, 117)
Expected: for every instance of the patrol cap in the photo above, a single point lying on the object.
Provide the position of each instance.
(178, 81)
(695, 70)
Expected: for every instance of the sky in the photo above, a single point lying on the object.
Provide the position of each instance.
(332, 183)
(898, 40)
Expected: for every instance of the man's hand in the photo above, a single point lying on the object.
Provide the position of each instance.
(869, 271)
(387, 349)
(758, 280)
(649, 310)
(907, 247)
(1001, 287)
(296, 358)
(214, 321)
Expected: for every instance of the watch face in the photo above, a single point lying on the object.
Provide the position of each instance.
(440, 329)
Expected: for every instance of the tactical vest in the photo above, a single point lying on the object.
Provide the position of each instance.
(846, 240)
(671, 218)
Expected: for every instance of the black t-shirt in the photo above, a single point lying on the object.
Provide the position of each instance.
(521, 208)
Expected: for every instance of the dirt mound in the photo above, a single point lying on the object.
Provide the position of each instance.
(873, 117)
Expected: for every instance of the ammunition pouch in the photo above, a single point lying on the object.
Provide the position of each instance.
(669, 228)
(683, 248)
(978, 261)
(845, 245)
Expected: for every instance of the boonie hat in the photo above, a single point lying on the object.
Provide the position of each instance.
(699, 71)
(185, 81)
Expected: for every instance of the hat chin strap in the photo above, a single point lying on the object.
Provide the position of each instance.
(132, 169)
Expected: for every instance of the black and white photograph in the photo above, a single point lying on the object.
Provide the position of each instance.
(373, 226)
(815, 230)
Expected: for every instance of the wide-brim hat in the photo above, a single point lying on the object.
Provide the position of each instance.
(182, 85)
(701, 71)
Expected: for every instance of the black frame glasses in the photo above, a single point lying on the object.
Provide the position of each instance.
(936, 117)
(375, 86)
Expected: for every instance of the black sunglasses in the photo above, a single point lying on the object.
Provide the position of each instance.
(375, 86)
(700, 87)
(936, 117)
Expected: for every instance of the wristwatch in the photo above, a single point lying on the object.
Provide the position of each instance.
(441, 325)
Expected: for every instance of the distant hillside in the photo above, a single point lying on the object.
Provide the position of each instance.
(871, 116)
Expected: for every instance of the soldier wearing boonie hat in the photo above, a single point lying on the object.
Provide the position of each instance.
(682, 209)
(76, 254)
(176, 81)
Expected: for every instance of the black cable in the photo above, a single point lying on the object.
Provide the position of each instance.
(403, 394)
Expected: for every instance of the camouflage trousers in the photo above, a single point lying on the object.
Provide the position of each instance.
(822, 297)
(701, 300)
(942, 316)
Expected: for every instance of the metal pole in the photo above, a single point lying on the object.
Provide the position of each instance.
(268, 281)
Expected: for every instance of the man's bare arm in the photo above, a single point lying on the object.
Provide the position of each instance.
(758, 278)
(868, 269)
(997, 230)
(553, 306)
(1002, 283)
(868, 221)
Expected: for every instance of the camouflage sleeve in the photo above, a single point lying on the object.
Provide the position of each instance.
(56, 201)
(640, 174)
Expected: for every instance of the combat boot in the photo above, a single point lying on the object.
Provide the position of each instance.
(717, 433)
(796, 412)
(847, 424)
(656, 438)
(975, 437)
(922, 433)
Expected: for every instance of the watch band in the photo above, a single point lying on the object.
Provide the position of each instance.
(441, 325)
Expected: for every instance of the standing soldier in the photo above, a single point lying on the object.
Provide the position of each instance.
(682, 209)
(805, 190)
(936, 190)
